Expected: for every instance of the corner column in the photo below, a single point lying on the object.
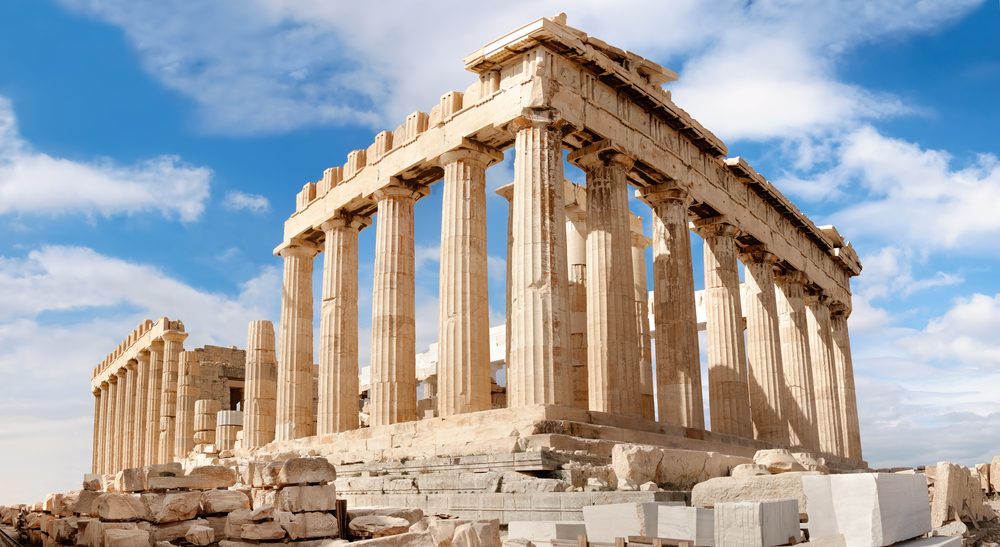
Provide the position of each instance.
(155, 383)
(464, 317)
(96, 438)
(172, 348)
(188, 392)
(338, 327)
(825, 388)
(111, 436)
(393, 392)
(612, 339)
(139, 412)
(766, 376)
(261, 385)
(294, 412)
(576, 256)
(641, 286)
(729, 401)
(121, 413)
(507, 192)
(539, 368)
(128, 439)
(102, 448)
(678, 363)
(845, 371)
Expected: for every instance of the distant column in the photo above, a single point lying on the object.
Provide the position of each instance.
(121, 412)
(845, 371)
(102, 455)
(172, 348)
(795, 361)
(612, 339)
(766, 375)
(678, 363)
(228, 423)
(139, 412)
(188, 392)
(95, 451)
(393, 392)
(295, 360)
(539, 368)
(261, 385)
(464, 316)
(128, 439)
(729, 402)
(641, 286)
(155, 382)
(825, 390)
(112, 436)
(576, 256)
(338, 327)
(507, 192)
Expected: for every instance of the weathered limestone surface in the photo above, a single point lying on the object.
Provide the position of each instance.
(576, 256)
(957, 496)
(261, 385)
(800, 407)
(761, 488)
(757, 523)
(187, 393)
(641, 287)
(294, 417)
(606, 522)
(845, 382)
(825, 386)
(168, 402)
(153, 409)
(694, 524)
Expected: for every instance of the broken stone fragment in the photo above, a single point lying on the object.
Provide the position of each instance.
(761, 488)
(200, 535)
(171, 507)
(125, 538)
(223, 501)
(262, 531)
(120, 507)
(298, 471)
(777, 460)
(309, 525)
(373, 526)
(92, 482)
(409, 539)
(745, 470)
(171, 531)
(301, 499)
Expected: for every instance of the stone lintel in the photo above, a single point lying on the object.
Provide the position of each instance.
(471, 150)
(601, 153)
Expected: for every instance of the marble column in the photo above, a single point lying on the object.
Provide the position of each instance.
(825, 389)
(188, 391)
(261, 385)
(128, 439)
(338, 327)
(766, 376)
(728, 396)
(111, 458)
(576, 256)
(678, 363)
(102, 455)
(139, 412)
(800, 407)
(641, 287)
(507, 192)
(121, 412)
(96, 438)
(393, 392)
(464, 316)
(539, 369)
(155, 383)
(172, 347)
(294, 417)
(612, 339)
(845, 372)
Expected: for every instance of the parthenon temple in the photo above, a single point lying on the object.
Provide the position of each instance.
(592, 354)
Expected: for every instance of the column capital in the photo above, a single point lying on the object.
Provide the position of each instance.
(506, 192)
(400, 189)
(174, 336)
(791, 277)
(104, 385)
(299, 249)
(815, 297)
(472, 151)
(758, 254)
(600, 154)
(156, 345)
(131, 364)
(839, 310)
(537, 117)
(716, 226)
(342, 219)
(113, 378)
(675, 190)
(96, 391)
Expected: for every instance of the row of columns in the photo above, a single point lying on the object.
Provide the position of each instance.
(135, 409)
(788, 382)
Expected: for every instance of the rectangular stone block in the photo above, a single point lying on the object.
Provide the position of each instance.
(125, 538)
(171, 507)
(604, 523)
(300, 499)
(120, 507)
(941, 541)
(757, 523)
(309, 525)
(868, 509)
(542, 532)
(691, 523)
(172, 531)
(223, 501)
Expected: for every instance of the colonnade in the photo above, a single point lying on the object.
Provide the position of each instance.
(784, 377)
(135, 398)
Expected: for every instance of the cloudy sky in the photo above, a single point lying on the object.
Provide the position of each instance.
(150, 151)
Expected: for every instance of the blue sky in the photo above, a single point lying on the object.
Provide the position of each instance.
(150, 151)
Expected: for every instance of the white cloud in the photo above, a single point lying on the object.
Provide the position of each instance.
(239, 201)
(966, 334)
(33, 182)
(64, 309)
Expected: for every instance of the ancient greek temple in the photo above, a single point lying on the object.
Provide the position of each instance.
(575, 296)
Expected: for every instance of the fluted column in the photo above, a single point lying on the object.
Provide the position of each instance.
(825, 390)
(800, 407)
(728, 397)
(612, 339)
(139, 412)
(128, 439)
(507, 192)
(112, 435)
(464, 317)
(96, 438)
(576, 256)
(641, 287)
(338, 327)
(295, 358)
(188, 391)
(845, 372)
(121, 413)
(678, 363)
(766, 376)
(539, 369)
(261, 385)
(393, 392)
(172, 347)
(155, 392)
(102, 455)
